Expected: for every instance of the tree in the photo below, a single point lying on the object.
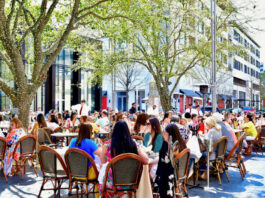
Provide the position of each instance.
(224, 78)
(170, 39)
(129, 77)
(33, 33)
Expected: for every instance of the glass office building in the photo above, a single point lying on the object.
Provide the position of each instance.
(63, 87)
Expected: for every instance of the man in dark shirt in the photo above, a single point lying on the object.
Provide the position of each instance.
(133, 109)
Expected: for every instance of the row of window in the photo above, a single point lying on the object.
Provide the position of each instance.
(248, 58)
(244, 68)
(241, 40)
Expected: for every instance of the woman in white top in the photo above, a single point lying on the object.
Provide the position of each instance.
(53, 123)
(214, 132)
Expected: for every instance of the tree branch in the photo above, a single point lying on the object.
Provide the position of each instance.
(91, 7)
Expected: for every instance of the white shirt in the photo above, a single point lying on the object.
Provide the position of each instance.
(84, 111)
(188, 110)
(52, 125)
(102, 122)
(198, 113)
(152, 111)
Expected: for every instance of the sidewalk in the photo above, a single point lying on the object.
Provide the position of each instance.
(251, 187)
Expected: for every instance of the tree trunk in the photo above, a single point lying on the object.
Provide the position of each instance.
(165, 98)
(127, 100)
(23, 104)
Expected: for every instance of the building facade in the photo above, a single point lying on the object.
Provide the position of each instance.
(64, 87)
(246, 70)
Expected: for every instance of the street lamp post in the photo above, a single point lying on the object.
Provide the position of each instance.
(213, 46)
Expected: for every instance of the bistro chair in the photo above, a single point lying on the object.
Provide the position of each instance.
(259, 141)
(82, 171)
(44, 138)
(126, 172)
(180, 165)
(50, 161)
(234, 157)
(218, 163)
(27, 145)
(3, 145)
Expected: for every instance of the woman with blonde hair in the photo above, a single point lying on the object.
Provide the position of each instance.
(214, 133)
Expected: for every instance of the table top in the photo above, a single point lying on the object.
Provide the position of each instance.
(64, 134)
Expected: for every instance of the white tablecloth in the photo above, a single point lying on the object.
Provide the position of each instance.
(64, 134)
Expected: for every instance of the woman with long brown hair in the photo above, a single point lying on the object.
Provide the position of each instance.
(164, 181)
(84, 143)
(154, 137)
(141, 126)
(41, 123)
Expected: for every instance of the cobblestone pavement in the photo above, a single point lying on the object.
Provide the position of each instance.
(251, 187)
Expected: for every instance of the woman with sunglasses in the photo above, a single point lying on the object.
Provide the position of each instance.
(141, 126)
(154, 137)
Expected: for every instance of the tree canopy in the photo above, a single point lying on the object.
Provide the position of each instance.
(33, 33)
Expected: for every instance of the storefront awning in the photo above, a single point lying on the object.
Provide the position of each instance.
(223, 96)
(201, 95)
(189, 93)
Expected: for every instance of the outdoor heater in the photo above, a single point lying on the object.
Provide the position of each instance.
(203, 90)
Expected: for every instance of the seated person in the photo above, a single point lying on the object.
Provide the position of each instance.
(121, 142)
(41, 123)
(163, 180)
(53, 123)
(249, 128)
(225, 131)
(154, 138)
(16, 131)
(84, 142)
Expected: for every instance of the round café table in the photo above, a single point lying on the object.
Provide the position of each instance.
(65, 135)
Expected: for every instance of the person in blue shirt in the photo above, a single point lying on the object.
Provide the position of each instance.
(84, 143)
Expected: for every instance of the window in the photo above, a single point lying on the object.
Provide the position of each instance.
(246, 57)
(246, 44)
(257, 64)
(245, 69)
(252, 49)
(257, 53)
(257, 75)
(252, 61)
(237, 36)
(242, 97)
(238, 65)
(252, 72)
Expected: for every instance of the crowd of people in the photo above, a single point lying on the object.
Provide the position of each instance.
(159, 131)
